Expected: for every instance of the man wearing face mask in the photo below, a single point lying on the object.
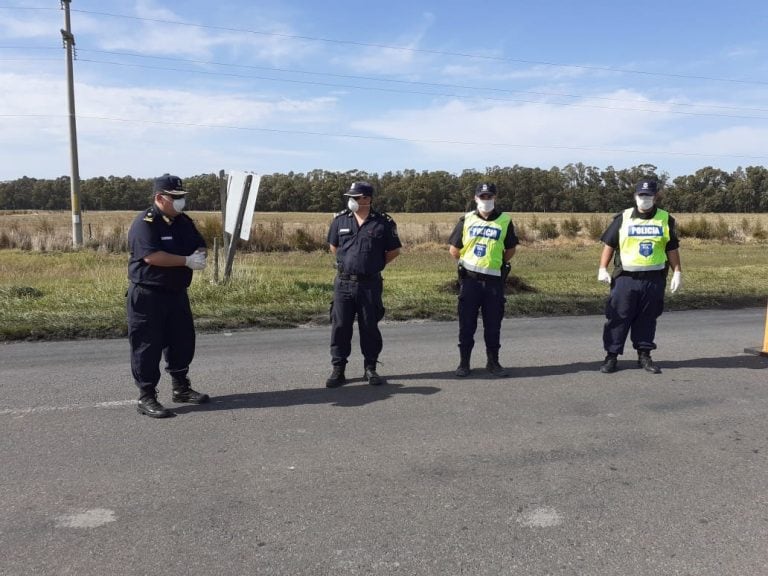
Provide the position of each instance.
(643, 244)
(165, 248)
(363, 241)
(483, 242)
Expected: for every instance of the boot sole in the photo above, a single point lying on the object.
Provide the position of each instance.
(152, 415)
(335, 384)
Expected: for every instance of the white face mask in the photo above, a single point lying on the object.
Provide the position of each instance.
(485, 205)
(179, 204)
(644, 203)
(353, 205)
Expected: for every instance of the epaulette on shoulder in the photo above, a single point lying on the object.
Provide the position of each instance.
(149, 215)
(386, 216)
(344, 212)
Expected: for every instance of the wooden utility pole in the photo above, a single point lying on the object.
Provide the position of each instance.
(69, 43)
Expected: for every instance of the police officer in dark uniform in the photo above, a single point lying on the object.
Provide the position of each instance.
(643, 244)
(364, 241)
(483, 242)
(165, 248)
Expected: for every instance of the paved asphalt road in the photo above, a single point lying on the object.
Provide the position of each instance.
(556, 470)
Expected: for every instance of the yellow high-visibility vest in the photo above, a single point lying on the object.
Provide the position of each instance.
(643, 242)
(483, 243)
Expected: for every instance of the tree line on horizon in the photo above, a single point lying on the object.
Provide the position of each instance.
(573, 188)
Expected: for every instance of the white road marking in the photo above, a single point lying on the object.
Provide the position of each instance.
(541, 518)
(87, 519)
(41, 409)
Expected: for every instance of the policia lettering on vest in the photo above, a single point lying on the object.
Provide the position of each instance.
(483, 242)
(643, 244)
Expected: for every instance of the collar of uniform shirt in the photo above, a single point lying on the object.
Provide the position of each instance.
(644, 215)
(492, 216)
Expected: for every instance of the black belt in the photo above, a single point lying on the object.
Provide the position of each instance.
(159, 287)
(644, 274)
(358, 277)
(480, 275)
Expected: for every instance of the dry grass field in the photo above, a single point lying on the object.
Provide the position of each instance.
(45, 286)
(52, 231)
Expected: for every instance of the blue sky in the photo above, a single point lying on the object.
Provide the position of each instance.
(193, 87)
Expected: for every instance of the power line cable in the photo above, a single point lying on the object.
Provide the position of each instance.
(404, 48)
(422, 50)
(391, 80)
(441, 94)
(393, 138)
(417, 83)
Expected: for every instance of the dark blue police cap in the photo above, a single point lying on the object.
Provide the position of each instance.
(171, 184)
(646, 188)
(485, 188)
(359, 189)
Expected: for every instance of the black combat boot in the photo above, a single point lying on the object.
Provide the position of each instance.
(609, 365)
(336, 378)
(463, 369)
(493, 365)
(182, 392)
(645, 362)
(370, 373)
(149, 406)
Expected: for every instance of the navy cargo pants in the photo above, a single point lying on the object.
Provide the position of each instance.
(476, 295)
(635, 303)
(361, 299)
(159, 322)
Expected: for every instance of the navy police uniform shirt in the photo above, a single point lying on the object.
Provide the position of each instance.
(153, 231)
(456, 237)
(361, 249)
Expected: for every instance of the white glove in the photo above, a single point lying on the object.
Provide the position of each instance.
(677, 282)
(196, 261)
(603, 276)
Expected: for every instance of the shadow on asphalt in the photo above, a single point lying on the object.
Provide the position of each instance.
(348, 396)
(629, 362)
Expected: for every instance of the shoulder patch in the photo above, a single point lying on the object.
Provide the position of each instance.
(149, 215)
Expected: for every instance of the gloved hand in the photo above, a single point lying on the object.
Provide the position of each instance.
(196, 260)
(603, 275)
(676, 283)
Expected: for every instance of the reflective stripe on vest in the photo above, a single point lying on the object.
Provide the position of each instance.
(483, 243)
(642, 242)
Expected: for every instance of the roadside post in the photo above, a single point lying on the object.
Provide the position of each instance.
(242, 189)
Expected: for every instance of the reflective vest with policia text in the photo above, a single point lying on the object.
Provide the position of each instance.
(642, 242)
(483, 243)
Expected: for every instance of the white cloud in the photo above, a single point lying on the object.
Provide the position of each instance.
(31, 26)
